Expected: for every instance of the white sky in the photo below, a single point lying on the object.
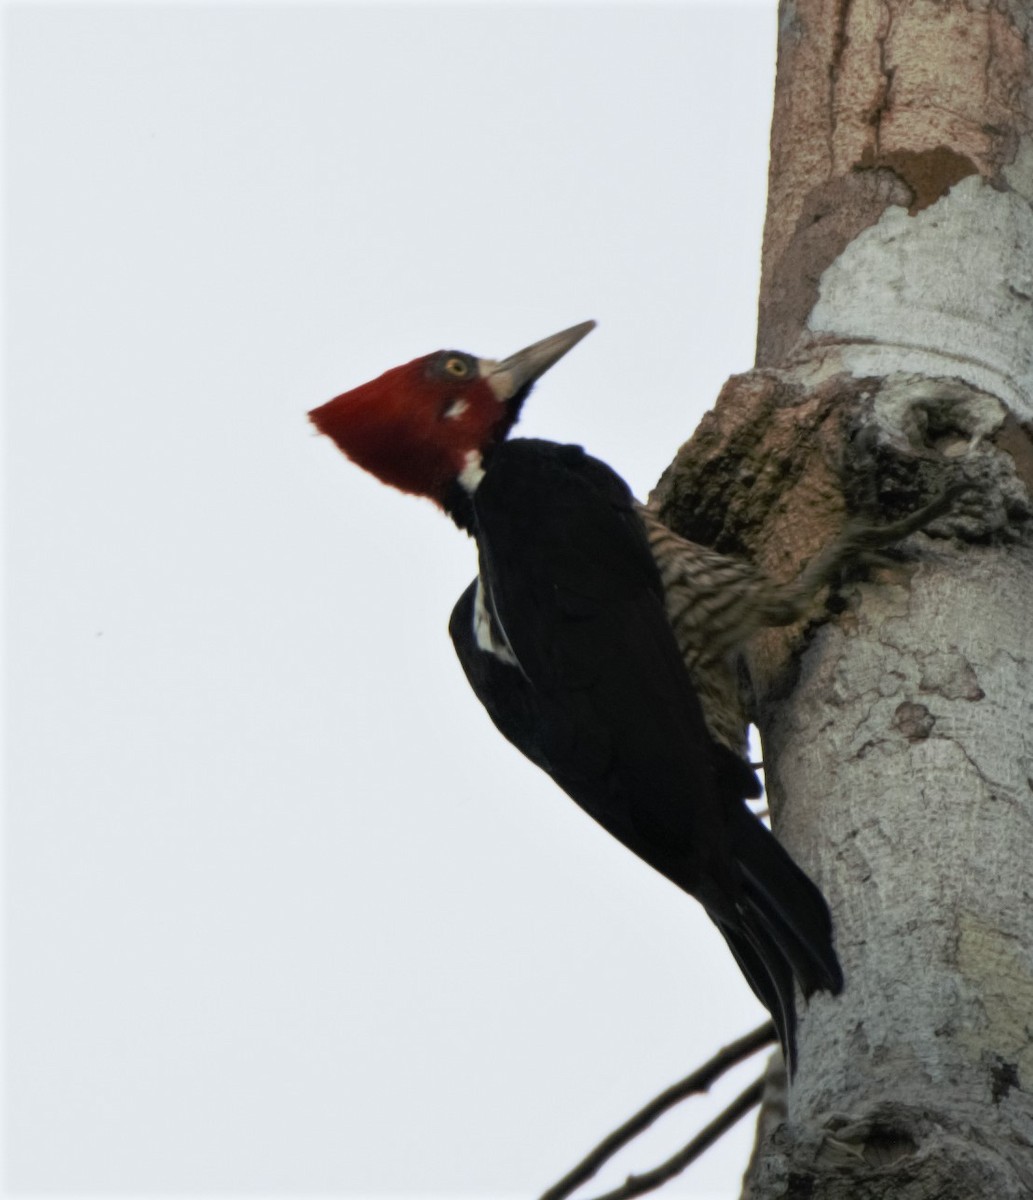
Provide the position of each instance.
(284, 915)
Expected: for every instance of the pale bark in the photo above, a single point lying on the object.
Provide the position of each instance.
(895, 355)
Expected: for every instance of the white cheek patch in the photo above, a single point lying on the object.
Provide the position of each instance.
(456, 409)
(484, 631)
(472, 473)
(500, 382)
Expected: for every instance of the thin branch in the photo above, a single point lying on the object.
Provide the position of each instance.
(636, 1185)
(699, 1081)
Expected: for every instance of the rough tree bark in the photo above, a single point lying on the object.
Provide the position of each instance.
(895, 355)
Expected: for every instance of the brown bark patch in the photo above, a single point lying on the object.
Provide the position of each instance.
(759, 476)
(1016, 439)
(914, 721)
(928, 174)
(833, 214)
(950, 674)
(924, 92)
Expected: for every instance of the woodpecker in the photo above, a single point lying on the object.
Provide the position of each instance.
(569, 636)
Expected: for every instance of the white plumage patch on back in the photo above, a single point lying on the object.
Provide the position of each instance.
(486, 631)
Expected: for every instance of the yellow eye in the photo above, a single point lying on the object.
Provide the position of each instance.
(456, 367)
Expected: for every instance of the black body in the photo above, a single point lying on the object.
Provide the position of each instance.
(600, 699)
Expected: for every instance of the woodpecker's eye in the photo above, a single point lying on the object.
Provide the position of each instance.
(453, 366)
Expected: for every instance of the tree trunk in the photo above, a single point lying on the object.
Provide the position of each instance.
(894, 356)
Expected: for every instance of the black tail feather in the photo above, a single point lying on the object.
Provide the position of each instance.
(788, 905)
(782, 930)
(768, 974)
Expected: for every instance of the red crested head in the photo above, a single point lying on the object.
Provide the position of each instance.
(427, 425)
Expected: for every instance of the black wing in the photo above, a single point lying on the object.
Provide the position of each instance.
(577, 596)
(598, 696)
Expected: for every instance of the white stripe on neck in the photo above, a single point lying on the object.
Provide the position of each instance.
(472, 473)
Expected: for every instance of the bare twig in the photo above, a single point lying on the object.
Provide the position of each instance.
(636, 1185)
(699, 1081)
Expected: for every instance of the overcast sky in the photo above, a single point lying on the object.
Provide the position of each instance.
(284, 914)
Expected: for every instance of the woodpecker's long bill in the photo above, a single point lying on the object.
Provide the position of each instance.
(565, 639)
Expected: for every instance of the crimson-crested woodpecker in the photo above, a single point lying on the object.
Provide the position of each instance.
(568, 638)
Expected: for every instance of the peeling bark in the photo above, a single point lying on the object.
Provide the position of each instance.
(895, 356)
(923, 93)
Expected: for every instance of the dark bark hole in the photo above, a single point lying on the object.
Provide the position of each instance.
(1003, 1077)
(886, 1144)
